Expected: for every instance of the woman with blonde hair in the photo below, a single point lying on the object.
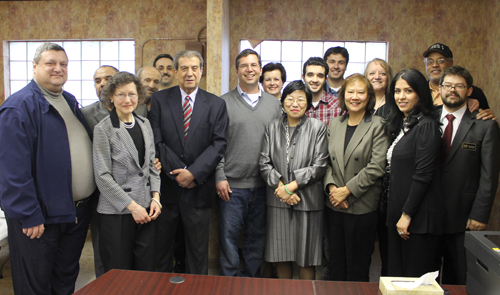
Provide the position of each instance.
(380, 74)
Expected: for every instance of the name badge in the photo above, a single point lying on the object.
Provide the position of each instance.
(469, 146)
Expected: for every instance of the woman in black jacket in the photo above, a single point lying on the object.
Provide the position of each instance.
(414, 213)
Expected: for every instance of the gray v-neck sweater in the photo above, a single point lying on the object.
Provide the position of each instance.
(240, 165)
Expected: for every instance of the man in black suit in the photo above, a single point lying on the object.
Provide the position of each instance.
(470, 170)
(189, 125)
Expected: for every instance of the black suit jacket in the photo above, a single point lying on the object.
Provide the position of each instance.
(414, 180)
(199, 153)
(470, 172)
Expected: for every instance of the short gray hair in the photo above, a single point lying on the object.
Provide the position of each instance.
(46, 46)
(188, 54)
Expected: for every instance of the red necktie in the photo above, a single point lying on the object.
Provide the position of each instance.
(448, 132)
(187, 116)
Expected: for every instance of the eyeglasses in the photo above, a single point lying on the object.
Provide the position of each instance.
(121, 96)
(247, 66)
(301, 101)
(440, 61)
(458, 87)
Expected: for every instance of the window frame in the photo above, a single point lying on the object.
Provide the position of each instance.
(80, 85)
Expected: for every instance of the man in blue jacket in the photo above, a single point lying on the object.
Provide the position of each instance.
(46, 178)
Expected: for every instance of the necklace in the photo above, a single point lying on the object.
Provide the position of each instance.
(131, 124)
(287, 132)
(380, 103)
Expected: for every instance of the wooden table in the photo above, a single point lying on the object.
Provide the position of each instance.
(125, 282)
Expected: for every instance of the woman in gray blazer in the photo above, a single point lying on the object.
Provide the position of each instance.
(128, 182)
(293, 162)
(357, 145)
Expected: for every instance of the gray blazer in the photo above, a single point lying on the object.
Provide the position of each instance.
(362, 165)
(95, 112)
(308, 161)
(117, 173)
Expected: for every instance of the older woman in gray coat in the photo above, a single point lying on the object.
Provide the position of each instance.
(357, 146)
(128, 182)
(293, 162)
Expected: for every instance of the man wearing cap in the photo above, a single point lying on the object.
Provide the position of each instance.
(438, 58)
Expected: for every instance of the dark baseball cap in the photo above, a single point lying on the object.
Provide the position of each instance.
(441, 48)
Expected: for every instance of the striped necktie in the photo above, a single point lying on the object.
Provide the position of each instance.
(187, 116)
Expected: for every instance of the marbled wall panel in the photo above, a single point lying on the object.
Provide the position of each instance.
(92, 19)
(409, 26)
(491, 68)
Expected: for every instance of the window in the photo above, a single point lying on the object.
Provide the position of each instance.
(293, 54)
(84, 59)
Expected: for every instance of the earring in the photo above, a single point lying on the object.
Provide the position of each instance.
(111, 101)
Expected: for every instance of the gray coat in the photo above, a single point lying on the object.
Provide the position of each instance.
(362, 165)
(308, 161)
(117, 173)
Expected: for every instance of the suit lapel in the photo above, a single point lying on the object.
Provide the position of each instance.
(146, 138)
(175, 105)
(200, 107)
(100, 113)
(463, 129)
(358, 135)
(338, 145)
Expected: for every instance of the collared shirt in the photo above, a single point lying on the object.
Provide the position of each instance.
(331, 91)
(251, 99)
(327, 108)
(192, 95)
(436, 95)
(459, 114)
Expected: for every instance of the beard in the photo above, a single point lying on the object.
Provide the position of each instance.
(101, 99)
(454, 103)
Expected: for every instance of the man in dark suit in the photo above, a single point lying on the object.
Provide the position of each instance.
(189, 125)
(95, 112)
(470, 170)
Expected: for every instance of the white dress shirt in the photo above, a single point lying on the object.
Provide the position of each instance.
(192, 96)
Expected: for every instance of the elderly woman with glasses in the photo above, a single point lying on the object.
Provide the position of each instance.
(293, 162)
(128, 182)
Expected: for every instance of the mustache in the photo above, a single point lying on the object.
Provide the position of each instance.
(453, 93)
(166, 74)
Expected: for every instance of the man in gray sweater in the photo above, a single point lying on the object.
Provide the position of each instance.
(240, 187)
